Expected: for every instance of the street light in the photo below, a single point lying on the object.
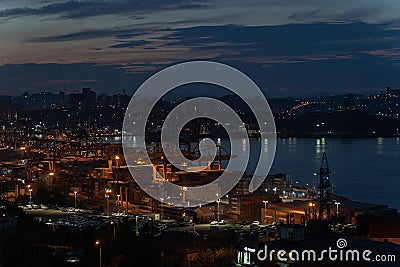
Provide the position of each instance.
(337, 207)
(52, 225)
(265, 203)
(218, 201)
(30, 195)
(312, 205)
(118, 196)
(137, 228)
(117, 159)
(51, 180)
(4, 222)
(265, 207)
(98, 243)
(107, 195)
(184, 189)
(116, 172)
(75, 192)
(161, 204)
(113, 225)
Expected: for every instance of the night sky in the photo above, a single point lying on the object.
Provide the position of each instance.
(289, 48)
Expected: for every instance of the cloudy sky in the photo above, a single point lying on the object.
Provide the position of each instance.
(289, 47)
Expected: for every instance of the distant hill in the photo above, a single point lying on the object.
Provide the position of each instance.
(339, 123)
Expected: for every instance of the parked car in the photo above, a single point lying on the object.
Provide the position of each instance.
(222, 222)
(214, 223)
(255, 223)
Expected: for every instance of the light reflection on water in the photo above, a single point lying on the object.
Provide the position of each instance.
(364, 169)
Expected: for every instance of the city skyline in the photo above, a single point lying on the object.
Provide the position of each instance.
(121, 144)
(289, 48)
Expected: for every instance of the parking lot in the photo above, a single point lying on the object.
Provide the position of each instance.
(82, 220)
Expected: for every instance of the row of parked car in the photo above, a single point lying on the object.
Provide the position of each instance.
(34, 207)
(222, 222)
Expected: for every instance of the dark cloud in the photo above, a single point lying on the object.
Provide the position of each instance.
(304, 16)
(132, 44)
(283, 60)
(82, 9)
(358, 14)
(89, 34)
(295, 40)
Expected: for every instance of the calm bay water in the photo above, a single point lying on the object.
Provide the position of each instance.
(363, 169)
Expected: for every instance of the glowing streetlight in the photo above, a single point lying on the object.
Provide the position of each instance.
(98, 243)
(107, 196)
(4, 222)
(117, 160)
(51, 180)
(265, 207)
(52, 225)
(113, 225)
(118, 196)
(161, 204)
(265, 203)
(30, 195)
(137, 227)
(337, 207)
(184, 189)
(218, 201)
(311, 205)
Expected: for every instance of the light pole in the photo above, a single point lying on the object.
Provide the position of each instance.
(75, 192)
(30, 195)
(161, 203)
(137, 229)
(265, 203)
(51, 180)
(52, 225)
(4, 222)
(98, 243)
(184, 189)
(116, 173)
(218, 201)
(118, 196)
(312, 205)
(265, 208)
(113, 225)
(337, 207)
(107, 195)
(117, 160)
